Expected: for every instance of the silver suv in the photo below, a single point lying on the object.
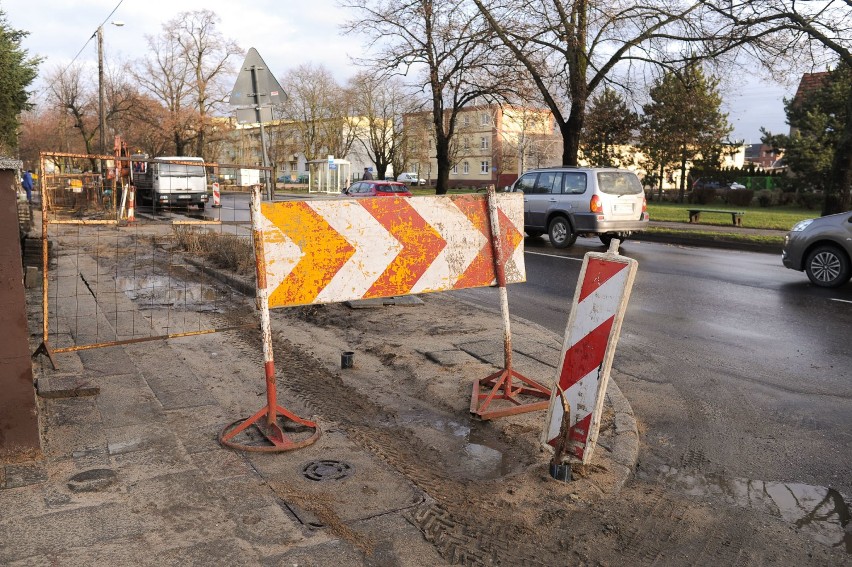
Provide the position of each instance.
(567, 202)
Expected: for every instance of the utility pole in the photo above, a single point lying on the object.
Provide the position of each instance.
(101, 98)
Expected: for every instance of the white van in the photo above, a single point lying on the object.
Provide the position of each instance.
(171, 181)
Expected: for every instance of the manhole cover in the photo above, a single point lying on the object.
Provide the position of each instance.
(327, 469)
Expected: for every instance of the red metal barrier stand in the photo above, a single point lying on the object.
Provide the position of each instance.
(281, 430)
(500, 383)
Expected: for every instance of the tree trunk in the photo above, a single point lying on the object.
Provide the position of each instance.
(662, 173)
(381, 170)
(570, 131)
(838, 198)
(442, 154)
(682, 192)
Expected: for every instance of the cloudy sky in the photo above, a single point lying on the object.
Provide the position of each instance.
(286, 33)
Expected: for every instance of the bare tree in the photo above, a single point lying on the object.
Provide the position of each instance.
(209, 56)
(571, 48)
(146, 127)
(380, 103)
(46, 129)
(184, 71)
(320, 110)
(782, 32)
(77, 99)
(448, 45)
(166, 76)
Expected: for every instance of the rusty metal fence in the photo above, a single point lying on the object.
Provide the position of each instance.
(122, 272)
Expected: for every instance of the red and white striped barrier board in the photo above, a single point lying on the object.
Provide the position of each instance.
(333, 250)
(217, 196)
(590, 339)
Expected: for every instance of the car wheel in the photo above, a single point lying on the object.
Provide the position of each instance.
(561, 233)
(827, 266)
(606, 239)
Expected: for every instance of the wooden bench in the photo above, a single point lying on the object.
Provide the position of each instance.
(736, 216)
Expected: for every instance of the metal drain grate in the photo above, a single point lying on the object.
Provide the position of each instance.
(327, 469)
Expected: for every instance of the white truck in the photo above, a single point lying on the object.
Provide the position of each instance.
(173, 181)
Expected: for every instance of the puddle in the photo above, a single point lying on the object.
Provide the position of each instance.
(465, 447)
(816, 510)
(158, 291)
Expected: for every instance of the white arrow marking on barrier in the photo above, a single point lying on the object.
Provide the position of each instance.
(375, 248)
(282, 254)
(464, 242)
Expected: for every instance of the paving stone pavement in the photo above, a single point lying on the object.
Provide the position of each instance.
(133, 472)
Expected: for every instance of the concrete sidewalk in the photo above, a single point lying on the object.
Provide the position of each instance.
(133, 472)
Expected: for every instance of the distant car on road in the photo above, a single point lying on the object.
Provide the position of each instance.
(410, 179)
(736, 185)
(377, 189)
(822, 248)
(707, 184)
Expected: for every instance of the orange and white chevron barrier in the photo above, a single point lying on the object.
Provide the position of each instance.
(217, 197)
(337, 250)
(591, 336)
(326, 251)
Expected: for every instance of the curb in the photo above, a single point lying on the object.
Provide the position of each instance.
(707, 242)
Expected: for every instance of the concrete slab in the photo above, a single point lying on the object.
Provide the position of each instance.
(65, 387)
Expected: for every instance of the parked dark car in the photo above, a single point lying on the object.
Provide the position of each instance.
(377, 189)
(822, 248)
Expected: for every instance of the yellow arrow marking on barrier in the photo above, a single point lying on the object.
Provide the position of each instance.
(323, 249)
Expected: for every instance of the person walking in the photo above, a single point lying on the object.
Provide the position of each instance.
(27, 183)
(367, 174)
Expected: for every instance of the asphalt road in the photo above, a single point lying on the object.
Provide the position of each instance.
(737, 368)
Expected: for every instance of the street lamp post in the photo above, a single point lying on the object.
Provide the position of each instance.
(101, 113)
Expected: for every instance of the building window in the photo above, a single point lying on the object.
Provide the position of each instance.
(484, 167)
(455, 168)
(466, 143)
(466, 120)
(483, 143)
(485, 118)
(465, 168)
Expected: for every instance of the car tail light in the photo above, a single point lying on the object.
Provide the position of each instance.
(595, 204)
(644, 205)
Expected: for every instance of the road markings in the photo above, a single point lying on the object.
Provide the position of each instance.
(840, 300)
(554, 256)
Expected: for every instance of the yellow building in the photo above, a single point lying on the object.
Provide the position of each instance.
(491, 145)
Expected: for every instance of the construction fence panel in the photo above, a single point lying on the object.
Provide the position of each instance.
(121, 271)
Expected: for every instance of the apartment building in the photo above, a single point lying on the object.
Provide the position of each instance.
(492, 144)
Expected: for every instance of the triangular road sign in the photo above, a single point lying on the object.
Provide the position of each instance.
(256, 85)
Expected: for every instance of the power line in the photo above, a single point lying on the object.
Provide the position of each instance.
(120, 2)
